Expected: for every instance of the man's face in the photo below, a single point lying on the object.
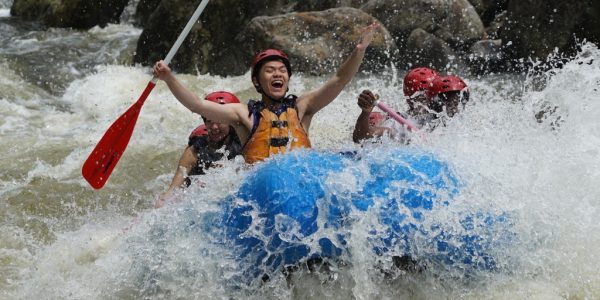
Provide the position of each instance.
(216, 131)
(273, 79)
(453, 100)
(419, 103)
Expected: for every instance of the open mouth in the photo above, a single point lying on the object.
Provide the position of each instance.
(277, 84)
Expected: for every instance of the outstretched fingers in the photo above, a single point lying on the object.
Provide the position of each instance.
(367, 35)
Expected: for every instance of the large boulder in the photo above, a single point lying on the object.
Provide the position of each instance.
(591, 22)
(317, 42)
(493, 29)
(81, 14)
(425, 49)
(486, 56)
(317, 5)
(488, 9)
(209, 42)
(144, 10)
(537, 27)
(454, 21)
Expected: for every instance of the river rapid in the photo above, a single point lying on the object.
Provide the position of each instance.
(61, 89)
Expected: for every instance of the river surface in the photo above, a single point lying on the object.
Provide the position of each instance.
(61, 89)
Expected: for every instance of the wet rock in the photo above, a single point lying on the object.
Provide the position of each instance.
(489, 9)
(210, 45)
(590, 25)
(454, 21)
(143, 10)
(535, 28)
(317, 42)
(69, 13)
(425, 49)
(318, 5)
(486, 56)
(227, 35)
(494, 27)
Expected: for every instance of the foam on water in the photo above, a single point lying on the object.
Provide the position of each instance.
(61, 240)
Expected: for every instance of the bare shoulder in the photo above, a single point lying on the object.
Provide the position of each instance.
(188, 158)
(240, 107)
(243, 116)
(303, 103)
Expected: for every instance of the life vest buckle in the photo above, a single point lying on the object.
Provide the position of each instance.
(279, 124)
(279, 141)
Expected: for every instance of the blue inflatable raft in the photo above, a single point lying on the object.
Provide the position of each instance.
(304, 205)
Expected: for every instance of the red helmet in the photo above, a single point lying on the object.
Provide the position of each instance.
(444, 84)
(418, 79)
(268, 55)
(222, 97)
(375, 118)
(199, 131)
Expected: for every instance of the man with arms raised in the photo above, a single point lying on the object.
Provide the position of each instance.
(277, 122)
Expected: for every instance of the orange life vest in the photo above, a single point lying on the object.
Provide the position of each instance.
(274, 131)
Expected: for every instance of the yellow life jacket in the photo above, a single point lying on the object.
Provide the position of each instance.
(274, 131)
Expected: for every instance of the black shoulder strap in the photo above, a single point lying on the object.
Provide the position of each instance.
(252, 104)
(254, 108)
(235, 146)
(290, 100)
(198, 141)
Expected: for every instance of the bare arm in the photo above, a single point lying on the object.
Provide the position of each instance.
(313, 101)
(186, 163)
(362, 129)
(229, 114)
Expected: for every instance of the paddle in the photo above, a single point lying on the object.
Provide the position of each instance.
(103, 159)
(396, 116)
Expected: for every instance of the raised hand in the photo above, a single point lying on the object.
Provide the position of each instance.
(367, 100)
(366, 37)
(161, 70)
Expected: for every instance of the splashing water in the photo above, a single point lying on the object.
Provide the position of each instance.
(60, 239)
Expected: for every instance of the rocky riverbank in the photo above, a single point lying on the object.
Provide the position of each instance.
(476, 35)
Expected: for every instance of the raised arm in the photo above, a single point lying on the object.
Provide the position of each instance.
(362, 129)
(229, 114)
(313, 101)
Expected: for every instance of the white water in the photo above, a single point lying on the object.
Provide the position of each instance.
(61, 240)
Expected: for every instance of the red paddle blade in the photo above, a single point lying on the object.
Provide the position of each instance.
(103, 159)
